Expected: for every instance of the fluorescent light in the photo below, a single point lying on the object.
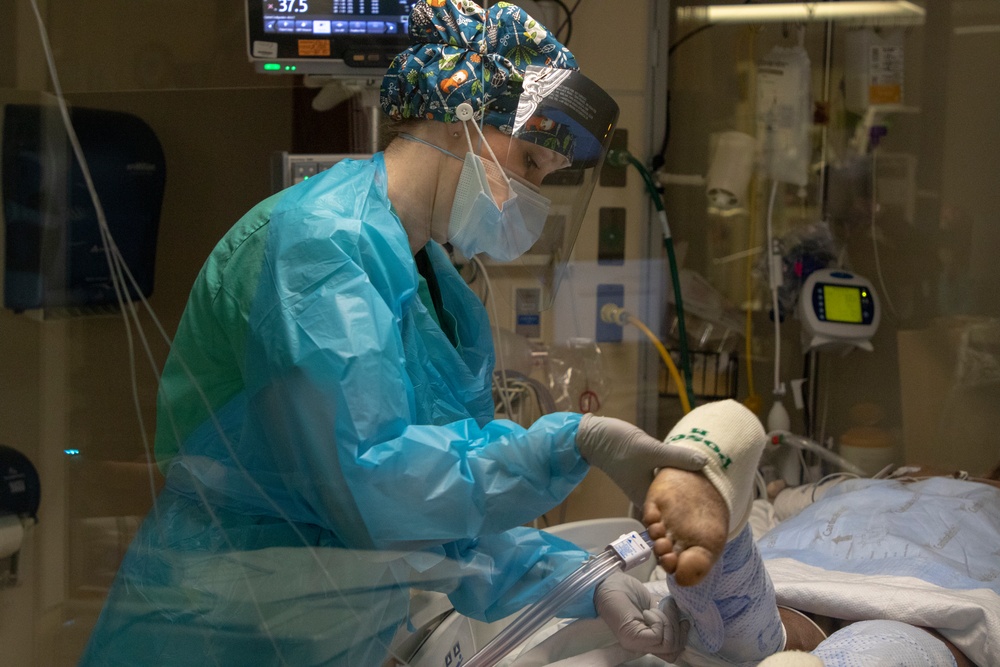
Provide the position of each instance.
(977, 29)
(888, 12)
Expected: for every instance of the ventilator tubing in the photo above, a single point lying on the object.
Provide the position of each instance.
(627, 551)
(734, 439)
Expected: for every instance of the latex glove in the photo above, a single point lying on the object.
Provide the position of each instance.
(638, 623)
(629, 455)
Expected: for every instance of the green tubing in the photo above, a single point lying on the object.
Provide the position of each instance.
(622, 158)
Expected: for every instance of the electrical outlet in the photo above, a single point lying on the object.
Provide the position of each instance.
(606, 332)
(528, 312)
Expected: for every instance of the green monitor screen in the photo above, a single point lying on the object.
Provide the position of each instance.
(843, 303)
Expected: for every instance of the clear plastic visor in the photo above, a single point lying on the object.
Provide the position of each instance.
(550, 153)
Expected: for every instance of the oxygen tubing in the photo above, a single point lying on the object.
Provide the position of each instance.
(615, 315)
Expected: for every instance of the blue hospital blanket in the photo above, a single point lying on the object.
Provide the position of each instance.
(925, 553)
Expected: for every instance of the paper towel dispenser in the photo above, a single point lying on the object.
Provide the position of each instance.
(55, 254)
(20, 489)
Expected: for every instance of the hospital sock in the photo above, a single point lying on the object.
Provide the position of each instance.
(883, 643)
(734, 439)
(733, 611)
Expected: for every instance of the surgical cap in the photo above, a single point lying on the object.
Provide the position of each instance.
(463, 53)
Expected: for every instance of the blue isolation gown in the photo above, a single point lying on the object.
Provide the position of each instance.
(328, 447)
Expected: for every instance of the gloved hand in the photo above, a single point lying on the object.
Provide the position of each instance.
(629, 455)
(638, 623)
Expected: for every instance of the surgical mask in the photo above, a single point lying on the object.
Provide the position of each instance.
(477, 224)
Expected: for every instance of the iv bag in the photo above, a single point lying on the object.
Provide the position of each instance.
(784, 115)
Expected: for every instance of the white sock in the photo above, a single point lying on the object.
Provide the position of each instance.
(734, 439)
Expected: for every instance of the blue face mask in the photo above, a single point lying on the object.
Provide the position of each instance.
(478, 225)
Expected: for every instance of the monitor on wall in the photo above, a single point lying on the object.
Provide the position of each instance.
(354, 38)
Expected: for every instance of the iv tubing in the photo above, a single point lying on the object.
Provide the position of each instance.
(797, 441)
(752, 400)
(775, 280)
(588, 575)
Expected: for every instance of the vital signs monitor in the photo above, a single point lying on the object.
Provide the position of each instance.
(329, 37)
(838, 308)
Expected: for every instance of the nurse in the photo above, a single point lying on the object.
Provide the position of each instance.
(325, 417)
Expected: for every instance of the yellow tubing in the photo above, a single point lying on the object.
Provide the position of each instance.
(671, 367)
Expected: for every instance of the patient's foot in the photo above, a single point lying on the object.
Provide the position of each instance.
(688, 521)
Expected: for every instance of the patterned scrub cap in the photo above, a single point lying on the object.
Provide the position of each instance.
(463, 53)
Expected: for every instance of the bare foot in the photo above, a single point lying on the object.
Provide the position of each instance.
(688, 521)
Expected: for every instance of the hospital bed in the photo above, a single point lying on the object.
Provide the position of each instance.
(925, 555)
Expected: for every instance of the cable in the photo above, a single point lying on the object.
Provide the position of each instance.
(808, 370)
(673, 47)
(119, 272)
(752, 401)
(121, 277)
(543, 396)
(568, 22)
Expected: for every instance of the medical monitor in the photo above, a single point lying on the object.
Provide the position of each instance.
(351, 38)
(838, 308)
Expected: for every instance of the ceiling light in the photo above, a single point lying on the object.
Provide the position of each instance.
(888, 12)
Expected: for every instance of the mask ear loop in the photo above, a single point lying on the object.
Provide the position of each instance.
(465, 114)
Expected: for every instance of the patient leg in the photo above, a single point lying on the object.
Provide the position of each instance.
(698, 522)
(733, 612)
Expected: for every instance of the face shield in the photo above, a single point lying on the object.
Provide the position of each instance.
(541, 164)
